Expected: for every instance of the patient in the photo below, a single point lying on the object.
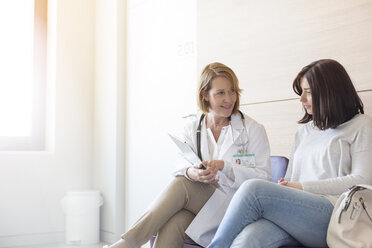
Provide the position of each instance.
(332, 151)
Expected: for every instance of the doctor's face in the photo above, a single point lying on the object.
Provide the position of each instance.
(221, 97)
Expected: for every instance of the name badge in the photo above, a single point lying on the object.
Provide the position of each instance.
(246, 160)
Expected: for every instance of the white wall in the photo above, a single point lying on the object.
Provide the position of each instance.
(109, 115)
(91, 136)
(162, 82)
(32, 183)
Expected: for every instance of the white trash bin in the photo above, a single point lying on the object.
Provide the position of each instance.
(82, 216)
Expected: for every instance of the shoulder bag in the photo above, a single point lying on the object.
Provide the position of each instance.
(351, 220)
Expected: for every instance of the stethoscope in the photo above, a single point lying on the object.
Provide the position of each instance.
(241, 142)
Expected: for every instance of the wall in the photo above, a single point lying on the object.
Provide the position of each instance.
(32, 183)
(109, 115)
(161, 89)
(268, 42)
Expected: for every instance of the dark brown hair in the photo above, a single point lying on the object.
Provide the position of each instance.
(210, 72)
(334, 98)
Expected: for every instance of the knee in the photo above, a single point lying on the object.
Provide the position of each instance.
(178, 222)
(179, 185)
(179, 181)
(252, 186)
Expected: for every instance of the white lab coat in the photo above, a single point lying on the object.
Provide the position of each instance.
(205, 224)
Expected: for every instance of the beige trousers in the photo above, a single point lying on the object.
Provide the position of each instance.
(170, 214)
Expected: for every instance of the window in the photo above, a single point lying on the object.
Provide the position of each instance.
(22, 74)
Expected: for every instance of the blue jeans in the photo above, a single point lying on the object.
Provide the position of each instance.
(273, 215)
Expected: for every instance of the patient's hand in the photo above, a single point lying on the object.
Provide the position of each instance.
(296, 185)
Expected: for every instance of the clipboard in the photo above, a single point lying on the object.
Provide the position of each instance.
(190, 155)
(186, 150)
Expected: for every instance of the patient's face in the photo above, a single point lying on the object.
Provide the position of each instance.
(305, 98)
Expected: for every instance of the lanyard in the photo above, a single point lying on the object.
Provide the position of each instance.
(199, 130)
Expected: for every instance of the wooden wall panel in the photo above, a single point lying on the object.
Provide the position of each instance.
(267, 42)
(280, 120)
(367, 100)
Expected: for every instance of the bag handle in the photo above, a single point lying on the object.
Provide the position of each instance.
(349, 197)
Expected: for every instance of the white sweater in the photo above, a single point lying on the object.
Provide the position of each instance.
(329, 162)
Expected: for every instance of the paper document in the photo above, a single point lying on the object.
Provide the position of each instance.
(189, 154)
(186, 150)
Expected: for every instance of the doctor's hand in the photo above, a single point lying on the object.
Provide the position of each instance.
(295, 185)
(207, 175)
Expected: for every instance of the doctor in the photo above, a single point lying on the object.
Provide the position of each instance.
(196, 200)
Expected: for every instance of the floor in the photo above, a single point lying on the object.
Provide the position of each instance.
(100, 245)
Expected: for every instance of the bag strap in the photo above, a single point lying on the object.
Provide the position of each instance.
(352, 191)
(349, 197)
(365, 186)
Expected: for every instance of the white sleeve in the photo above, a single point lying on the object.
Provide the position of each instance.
(186, 135)
(259, 145)
(360, 174)
(361, 157)
(182, 172)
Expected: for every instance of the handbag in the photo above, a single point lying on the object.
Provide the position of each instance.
(351, 220)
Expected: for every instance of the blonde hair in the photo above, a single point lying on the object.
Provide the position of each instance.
(209, 73)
